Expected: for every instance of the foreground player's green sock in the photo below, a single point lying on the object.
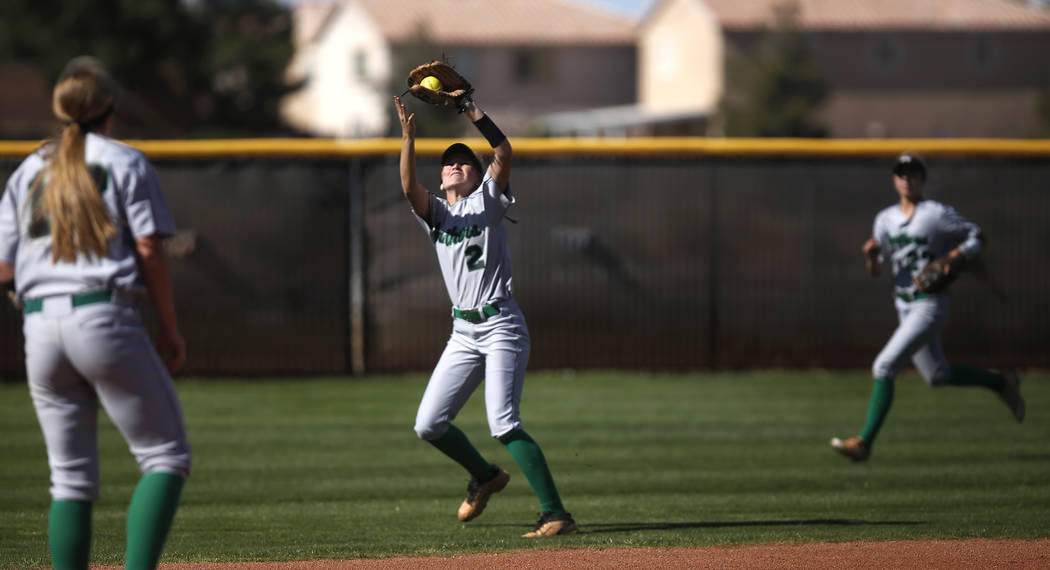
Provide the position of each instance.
(69, 534)
(966, 376)
(456, 445)
(150, 515)
(529, 457)
(881, 400)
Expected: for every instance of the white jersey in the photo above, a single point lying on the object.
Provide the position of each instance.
(133, 197)
(931, 232)
(471, 245)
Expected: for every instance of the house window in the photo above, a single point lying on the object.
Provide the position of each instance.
(359, 65)
(985, 53)
(885, 53)
(533, 66)
(466, 63)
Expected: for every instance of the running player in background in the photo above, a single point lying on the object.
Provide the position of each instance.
(910, 234)
(490, 340)
(81, 224)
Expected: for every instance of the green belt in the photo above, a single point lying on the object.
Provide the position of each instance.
(909, 298)
(476, 315)
(85, 298)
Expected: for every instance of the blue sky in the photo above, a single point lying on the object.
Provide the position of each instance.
(633, 8)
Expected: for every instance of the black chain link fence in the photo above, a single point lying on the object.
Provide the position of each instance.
(632, 262)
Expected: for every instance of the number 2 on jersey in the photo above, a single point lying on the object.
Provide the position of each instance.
(474, 260)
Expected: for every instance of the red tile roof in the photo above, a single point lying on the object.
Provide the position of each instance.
(904, 14)
(500, 21)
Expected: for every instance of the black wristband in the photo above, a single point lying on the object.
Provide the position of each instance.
(8, 286)
(490, 131)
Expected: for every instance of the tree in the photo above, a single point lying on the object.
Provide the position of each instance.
(186, 69)
(777, 87)
(250, 49)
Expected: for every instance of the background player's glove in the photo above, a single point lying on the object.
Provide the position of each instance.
(937, 275)
(454, 92)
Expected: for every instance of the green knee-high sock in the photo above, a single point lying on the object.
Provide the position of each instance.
(456, 445)
(69, 534)
(968, 376)
(529, 457)
(881, 400)
(150, 516)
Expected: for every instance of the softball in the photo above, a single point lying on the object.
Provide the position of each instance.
(431, 82)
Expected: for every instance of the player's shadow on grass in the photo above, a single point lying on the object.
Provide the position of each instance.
(599, 528)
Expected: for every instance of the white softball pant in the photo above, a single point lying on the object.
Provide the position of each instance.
(78, 357)
(918, 337)
(496, 351)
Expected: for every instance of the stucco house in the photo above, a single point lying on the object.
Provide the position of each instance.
(896, 68)
(526, 59)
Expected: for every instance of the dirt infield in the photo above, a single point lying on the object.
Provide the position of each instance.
(936, 554)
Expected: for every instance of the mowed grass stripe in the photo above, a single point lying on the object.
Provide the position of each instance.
(330, 468)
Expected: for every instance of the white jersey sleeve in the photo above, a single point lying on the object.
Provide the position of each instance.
(497, 200)
(145, 208)
(9, 223)
(435, 203)
(960, 231)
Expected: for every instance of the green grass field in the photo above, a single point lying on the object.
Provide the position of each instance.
(330, 468)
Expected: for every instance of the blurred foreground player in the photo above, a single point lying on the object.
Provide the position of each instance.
(81, 224)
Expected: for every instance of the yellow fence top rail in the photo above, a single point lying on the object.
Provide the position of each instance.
(630, 147)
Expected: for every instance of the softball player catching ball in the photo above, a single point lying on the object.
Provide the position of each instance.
(911, 234)
(490, 340)
(81, 223)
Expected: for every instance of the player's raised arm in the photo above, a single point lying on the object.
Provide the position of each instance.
(410, 186)
(500, 167)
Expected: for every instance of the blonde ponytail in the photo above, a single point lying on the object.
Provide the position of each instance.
(67, 197)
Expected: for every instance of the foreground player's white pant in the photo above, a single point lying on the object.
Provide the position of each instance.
(79, 357)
